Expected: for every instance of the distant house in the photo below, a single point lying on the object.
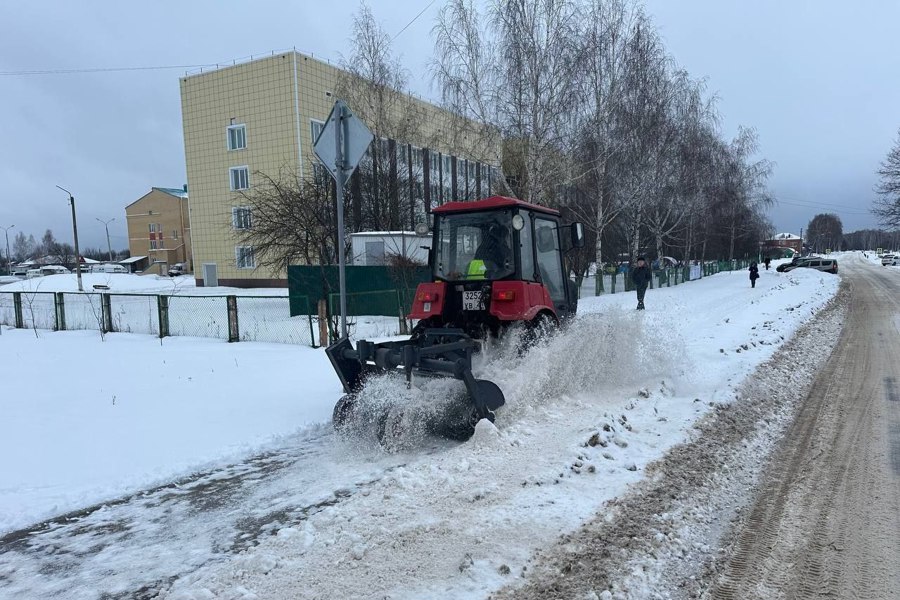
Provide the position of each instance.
(159, 229)
(782, 242)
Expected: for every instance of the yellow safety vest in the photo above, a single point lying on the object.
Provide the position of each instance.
(477, 270)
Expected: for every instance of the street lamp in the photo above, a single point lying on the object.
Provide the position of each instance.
(75, 231)
(106, 225)
(8, 258)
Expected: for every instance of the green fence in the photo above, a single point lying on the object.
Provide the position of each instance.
(233, 318)
(385, 291)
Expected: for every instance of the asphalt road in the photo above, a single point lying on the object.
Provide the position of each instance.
(826, 520)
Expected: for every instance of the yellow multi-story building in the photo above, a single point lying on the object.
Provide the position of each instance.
(262, 116)
(159, 230)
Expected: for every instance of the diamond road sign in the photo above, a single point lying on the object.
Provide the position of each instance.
(355, 138)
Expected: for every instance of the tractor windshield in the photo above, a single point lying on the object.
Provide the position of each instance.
(474, 246)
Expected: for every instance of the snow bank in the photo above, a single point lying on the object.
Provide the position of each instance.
(86, 420)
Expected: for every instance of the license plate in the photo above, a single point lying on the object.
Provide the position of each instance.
(472, 301)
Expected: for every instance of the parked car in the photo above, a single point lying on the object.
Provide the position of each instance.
(822, 264)
(795, 262)
(176, 270)
(890, 260)
(47, 270)
(108, 268)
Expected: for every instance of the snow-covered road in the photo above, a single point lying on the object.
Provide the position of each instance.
(319, 517)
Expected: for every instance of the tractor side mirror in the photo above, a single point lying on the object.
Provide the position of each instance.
(577, 235)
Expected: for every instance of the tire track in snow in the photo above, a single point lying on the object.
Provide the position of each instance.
(134, 546)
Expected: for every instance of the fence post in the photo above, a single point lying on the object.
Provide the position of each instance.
(323, 322)
(17, 309)
(669, 278)
(234, 334)
(612, 286)
(60, 306)
(106, 312)
(162, 305)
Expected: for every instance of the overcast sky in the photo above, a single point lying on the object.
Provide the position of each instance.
(818, 80)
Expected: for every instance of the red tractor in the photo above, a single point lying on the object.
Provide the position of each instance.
(496, 262)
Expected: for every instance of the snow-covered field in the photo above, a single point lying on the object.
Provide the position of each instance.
(585, 414)
(128, 283)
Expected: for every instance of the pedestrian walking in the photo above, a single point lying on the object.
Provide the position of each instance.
(641, 275)
(767, 260)
(754, 274)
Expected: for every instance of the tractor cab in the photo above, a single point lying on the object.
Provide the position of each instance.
(497, 261)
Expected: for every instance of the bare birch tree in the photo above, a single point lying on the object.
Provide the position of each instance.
(887, 207)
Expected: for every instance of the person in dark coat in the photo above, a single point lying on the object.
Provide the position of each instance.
(754, 274)
(767, 260)
(641, 275)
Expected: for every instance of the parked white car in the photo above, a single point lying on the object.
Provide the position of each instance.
(108, 268)
(47, 270)
(890, 260)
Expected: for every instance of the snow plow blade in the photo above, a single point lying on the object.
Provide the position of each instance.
(435, 352)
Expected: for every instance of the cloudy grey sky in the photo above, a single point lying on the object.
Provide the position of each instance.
(818, 80)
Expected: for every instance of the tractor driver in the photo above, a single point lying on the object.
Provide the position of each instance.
(493, 254)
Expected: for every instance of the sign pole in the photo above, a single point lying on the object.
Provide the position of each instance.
(341, 157)
(339, 186)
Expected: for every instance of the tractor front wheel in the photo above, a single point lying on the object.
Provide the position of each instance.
(343, 411)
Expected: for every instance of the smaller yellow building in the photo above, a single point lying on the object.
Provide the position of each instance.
(159, 230)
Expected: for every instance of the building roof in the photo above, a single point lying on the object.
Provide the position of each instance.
(390, 233)
(786, 236)
(177, 192)
(132, 259)
(491, 203)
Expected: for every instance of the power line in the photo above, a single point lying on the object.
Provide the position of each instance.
(826, 206)
(101, 70)
(421, 12)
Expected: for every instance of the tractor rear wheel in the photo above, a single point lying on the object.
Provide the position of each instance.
(542, 325)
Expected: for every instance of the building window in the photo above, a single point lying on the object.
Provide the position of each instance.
(156, 236)
(237, 137)
(315, 129)
(240, 217)
(243, 256)
(240, 178)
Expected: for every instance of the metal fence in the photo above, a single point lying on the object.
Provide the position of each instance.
(611, 283)
(232, 318)
(256, 318)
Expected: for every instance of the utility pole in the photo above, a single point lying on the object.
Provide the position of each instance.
(8, 257)
(106, 225)
(75, 231)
